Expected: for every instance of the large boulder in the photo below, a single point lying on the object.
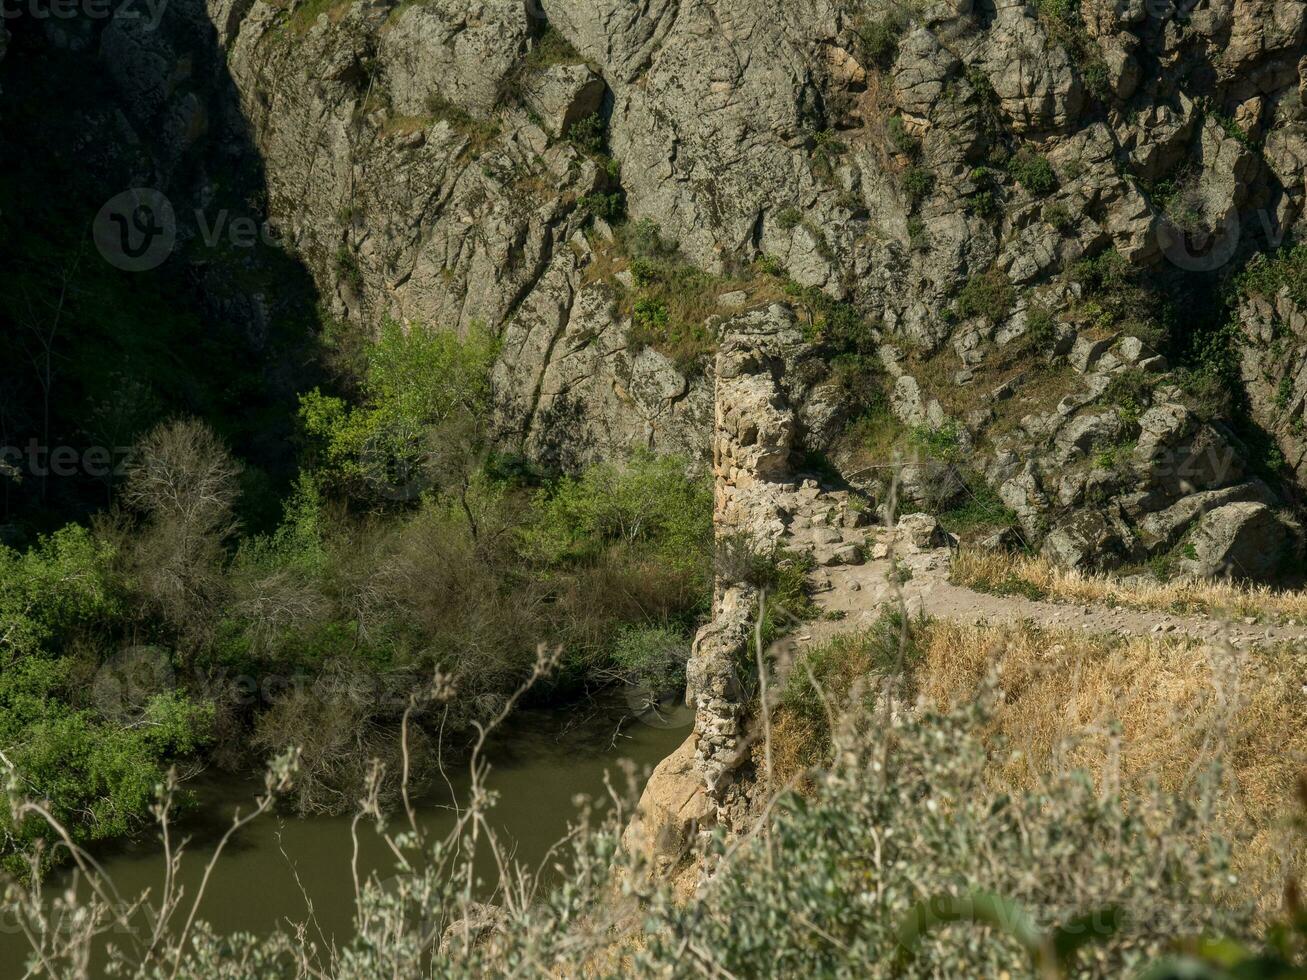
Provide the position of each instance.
(673, 808)
(1240, 540)
(1024, 495)
(1085, 542)
(564, 95)
(1178, 454)
(1161, 529)
(921, 532)
(1085, 433)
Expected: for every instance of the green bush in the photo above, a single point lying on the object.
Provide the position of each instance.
(918, 184)
(648, 503)
(653, 657)
(651, 315)
(1115, 297)
(609, 207)
(424, 396)
(1059, 216)
(98, 775)
(348, 268)
(1064, 10)
(589, 135)
(643, 241)
(1267, 275)
(47, 592)
(879, 36)
(901, 139)
(674, 299)
(918, 237)
(1033, 172)
(1098, 79)
(984, 204)
(1130, 391)
(980, 509)
(1041, 328)
(989, 295)
(943, 443)
(847, 666)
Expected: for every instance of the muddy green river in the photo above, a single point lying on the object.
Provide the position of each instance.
(541, 761)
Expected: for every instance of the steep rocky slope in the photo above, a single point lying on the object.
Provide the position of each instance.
(942, 169)
(1012, 220)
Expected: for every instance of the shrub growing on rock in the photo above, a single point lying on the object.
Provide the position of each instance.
(1033, 172)
(989, 295)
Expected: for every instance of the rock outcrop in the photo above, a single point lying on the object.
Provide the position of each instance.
(946, 173)
(1245, 541)
(1273, 366)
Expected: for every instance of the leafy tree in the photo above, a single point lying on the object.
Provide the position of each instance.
(62, 582)
(96, 776)
(425, 395)
(647, 503)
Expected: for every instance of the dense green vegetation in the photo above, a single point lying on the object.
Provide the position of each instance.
(407, 550)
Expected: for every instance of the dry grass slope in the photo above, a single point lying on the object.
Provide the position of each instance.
(1035, 577)
(1131, 712)
(1144, 709)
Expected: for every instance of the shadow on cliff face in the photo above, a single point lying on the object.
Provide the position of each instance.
(142, 278)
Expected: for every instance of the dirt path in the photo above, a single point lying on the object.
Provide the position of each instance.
(857, 592)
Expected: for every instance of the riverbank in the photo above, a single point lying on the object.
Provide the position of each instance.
(283, 868)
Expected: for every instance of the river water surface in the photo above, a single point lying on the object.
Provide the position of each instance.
(541, 760)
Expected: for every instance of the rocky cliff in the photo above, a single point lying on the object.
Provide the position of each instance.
(1002, 229)
(1010, 198)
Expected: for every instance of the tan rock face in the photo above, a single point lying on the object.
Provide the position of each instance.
(673, 809)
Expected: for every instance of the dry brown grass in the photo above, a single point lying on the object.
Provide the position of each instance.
(399, 126)
(1141, 709)
(1038, 578)
(1130, 712)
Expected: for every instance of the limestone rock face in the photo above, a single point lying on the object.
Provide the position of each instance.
(570, 390)
(1240, 540)
(1033, 78)
(1273, 365)
(419, 160)
(564, 95)
(453, 53)
(673, 809)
